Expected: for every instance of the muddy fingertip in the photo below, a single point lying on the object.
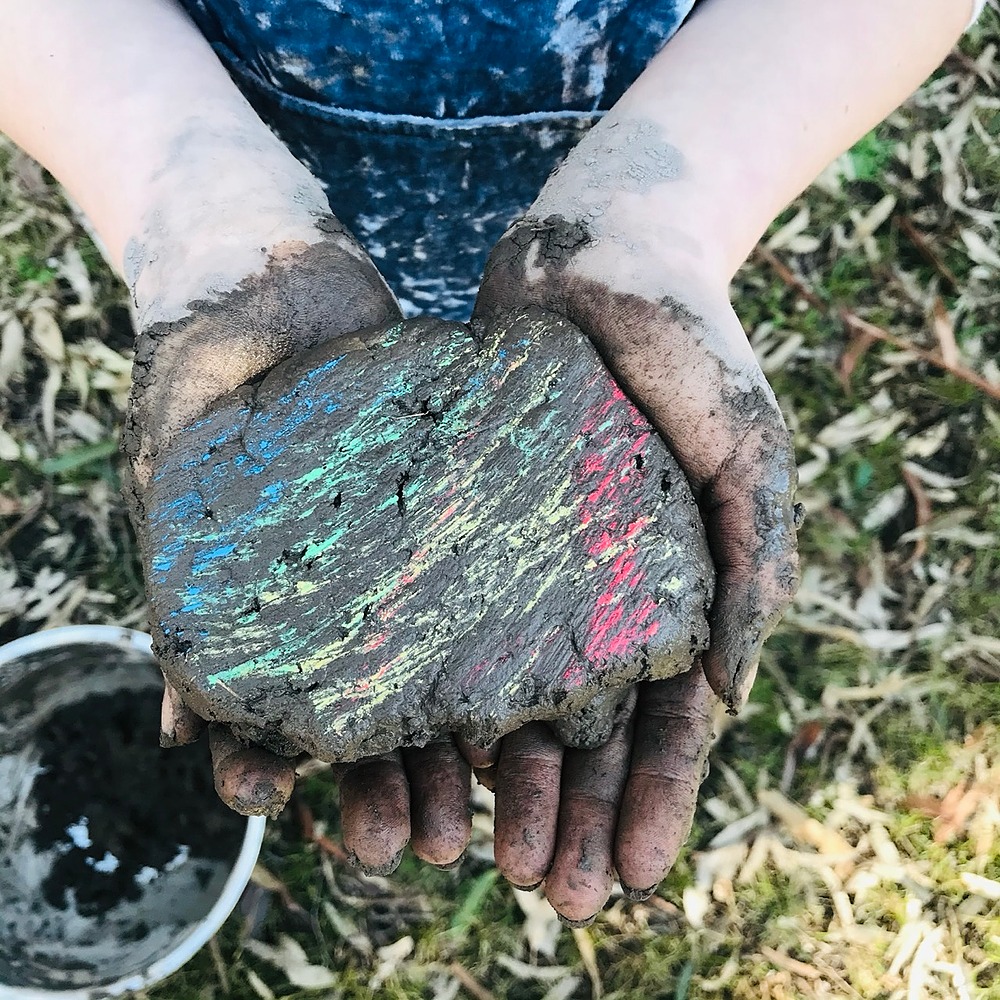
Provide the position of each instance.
(638, 895)
(376, 869)
(250, 780)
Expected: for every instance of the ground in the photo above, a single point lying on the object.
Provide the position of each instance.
(847, 842)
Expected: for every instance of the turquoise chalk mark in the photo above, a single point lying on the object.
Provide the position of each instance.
(272, 493)
(184, 507)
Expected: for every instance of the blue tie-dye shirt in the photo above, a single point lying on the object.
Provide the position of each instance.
(434, 123)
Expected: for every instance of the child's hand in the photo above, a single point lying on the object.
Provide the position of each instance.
(574, 817)
(676, 348)
(307, 293)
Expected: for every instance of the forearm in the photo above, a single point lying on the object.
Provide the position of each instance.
(127, 105)
(751, 101)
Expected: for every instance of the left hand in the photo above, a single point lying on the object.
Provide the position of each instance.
(670, 338)
(572, 818)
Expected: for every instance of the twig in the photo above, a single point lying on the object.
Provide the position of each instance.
(852, 354)
(969, 65)
(790, 278)
(220, 965)
(859, 325)
(324, 843)
(793, 965)
(922, 515)
(664, 906)
(588, 955)
(944, 330)
(24, 520)
(328, 846)
(919, 241)
(469, 983)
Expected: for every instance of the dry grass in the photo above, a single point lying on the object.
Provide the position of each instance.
(846, 843)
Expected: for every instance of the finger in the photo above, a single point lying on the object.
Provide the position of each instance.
(580, 880)
(673, 732)
(527, 804)
(375, 812)
(179, 725)
(591, 727)
(751, 523)
(250, 780)
(477, 756)
(440, 817)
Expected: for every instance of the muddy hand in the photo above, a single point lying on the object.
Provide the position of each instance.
(677, 349)
(306, 292)
(572, 818)
(418, 795)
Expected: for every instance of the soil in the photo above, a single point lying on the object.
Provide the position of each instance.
(419, 530)
(149, 813)
(111, 849)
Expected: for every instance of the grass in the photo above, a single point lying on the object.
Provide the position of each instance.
(877, 712)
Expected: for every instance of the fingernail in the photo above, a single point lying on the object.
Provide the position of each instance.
(638, 895)
(742, 677)
(262, 799)
(451, 865)
(576, 924)
(526, 888)
(374, 871)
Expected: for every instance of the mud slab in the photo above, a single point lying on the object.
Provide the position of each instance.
(421, 530)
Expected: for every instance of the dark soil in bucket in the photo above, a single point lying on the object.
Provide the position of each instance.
(111, 849)
(149, 814)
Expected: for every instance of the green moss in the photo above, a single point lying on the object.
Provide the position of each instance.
(870, 155)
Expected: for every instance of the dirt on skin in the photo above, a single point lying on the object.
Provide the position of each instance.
(727, 426)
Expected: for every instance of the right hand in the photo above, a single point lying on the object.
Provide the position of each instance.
(673, 343)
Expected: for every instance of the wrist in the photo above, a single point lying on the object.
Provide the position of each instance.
(572, 261)
(301, 295)
(629, 302)
(227, 200)
(637, 200)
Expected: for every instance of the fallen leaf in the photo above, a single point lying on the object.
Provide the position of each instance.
(390, 958)
(290, 957)
(801, 825)
(588, 955)
(541, 927)
(981, 886)
(944, 331)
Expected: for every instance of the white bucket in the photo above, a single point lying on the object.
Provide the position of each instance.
(179, 908)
